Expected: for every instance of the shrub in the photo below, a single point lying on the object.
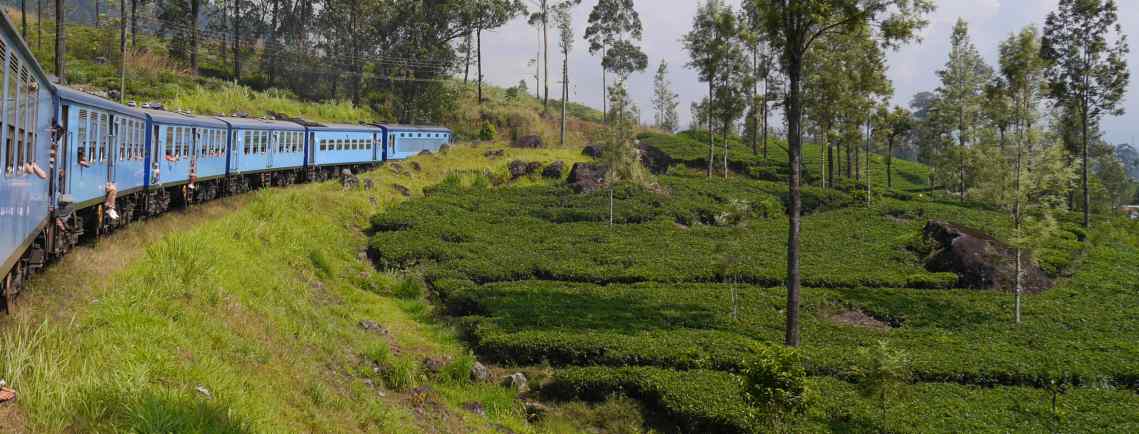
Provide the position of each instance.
(776, 383)
(409, 288)
(458, 371)
(400, 374)
(488, 132)
(881, 372)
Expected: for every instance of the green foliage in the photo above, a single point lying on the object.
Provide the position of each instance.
(881, 371)
(488, 132)
(458, 370)
(409, 288)
(776, 383)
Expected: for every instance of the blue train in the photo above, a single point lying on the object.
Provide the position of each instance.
(77, 166)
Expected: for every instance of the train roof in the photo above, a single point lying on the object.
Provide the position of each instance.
(75, 95)
(260, 124)
(175, 118)
(22, 46)
(403, 127)
(347, 127)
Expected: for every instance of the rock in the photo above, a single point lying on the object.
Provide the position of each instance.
(374, 327)
(654, 159)
(444, 148)
(530, 141)
(6, 393)
(396, 168)
(534, 410)
(402, 190)
(518, 169)
(475, 407)
(100, 60)
(433, 365)
(592, 151)
(479, 373)
(586, 177)
(516, 381)
(554, 170)
(204, 391)
(533, 168)
(424, 152)
(368, 382)
(494, 153)
(422, 391)
(979, 260)
(415, 166)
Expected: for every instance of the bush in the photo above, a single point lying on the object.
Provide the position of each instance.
(409, 288)
(776, 383)
(488, 132)
(400, 374)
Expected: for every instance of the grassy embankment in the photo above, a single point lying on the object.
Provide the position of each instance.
(243, 316)
(667, 303)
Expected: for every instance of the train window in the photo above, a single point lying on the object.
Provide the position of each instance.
(33, 104)
(169, 142)
(246, 137)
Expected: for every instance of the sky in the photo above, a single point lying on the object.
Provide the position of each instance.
(508, 50)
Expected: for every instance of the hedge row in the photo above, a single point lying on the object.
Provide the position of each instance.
(710, 401)
(966, 338)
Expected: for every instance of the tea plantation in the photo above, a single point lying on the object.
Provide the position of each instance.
(669, 302)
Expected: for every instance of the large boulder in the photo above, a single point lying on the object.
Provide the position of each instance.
(591, 151)
(979, 260)
(587, 177)
(530, 141)
(656, 160)
(554, 170)
(519, 168)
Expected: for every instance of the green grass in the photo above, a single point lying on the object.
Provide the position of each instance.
(258, 302)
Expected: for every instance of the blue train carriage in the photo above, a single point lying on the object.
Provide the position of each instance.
(264, 153)
(103, 159)
(26, 179)
(344, 146)
(187, 158)
(406, 141)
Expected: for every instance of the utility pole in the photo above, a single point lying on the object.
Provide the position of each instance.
(60, 40)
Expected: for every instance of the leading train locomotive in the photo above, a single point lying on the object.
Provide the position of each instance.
(76, 165)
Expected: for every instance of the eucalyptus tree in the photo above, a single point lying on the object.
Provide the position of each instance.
(610, 22)
(565, 42)
(765, 69)
(544, 12)
(1087, 51)
(962, 89)
(1022, 69)
(893, 125)
(489, 14)
(664, 100)
(793, 25)
(710, 45)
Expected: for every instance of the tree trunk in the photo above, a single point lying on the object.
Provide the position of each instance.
(39, 24)
(122, 51)
(961, 175)
(724, 139)
(546, 54)
(271, 46)
(467, 62)
(98, 20)
(711, 129)
(795, 146)
(604, 90)
(237, 40)
(565, 93)
(134, 25)
(1084, 175)
(24, 19)
(869, 143)
(194, 4)
(60, 43)
(478, 36)
(890, 163)
(752, 121)
(765, 80)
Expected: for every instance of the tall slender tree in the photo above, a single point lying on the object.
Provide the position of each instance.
(195, 10)
(709, 44)
(60, 43)
(565, 42)
(489, 14)
(793, 25)
(962, 89)
(1087, 49)
(611, 21)
(664, 100)
(543, 14)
